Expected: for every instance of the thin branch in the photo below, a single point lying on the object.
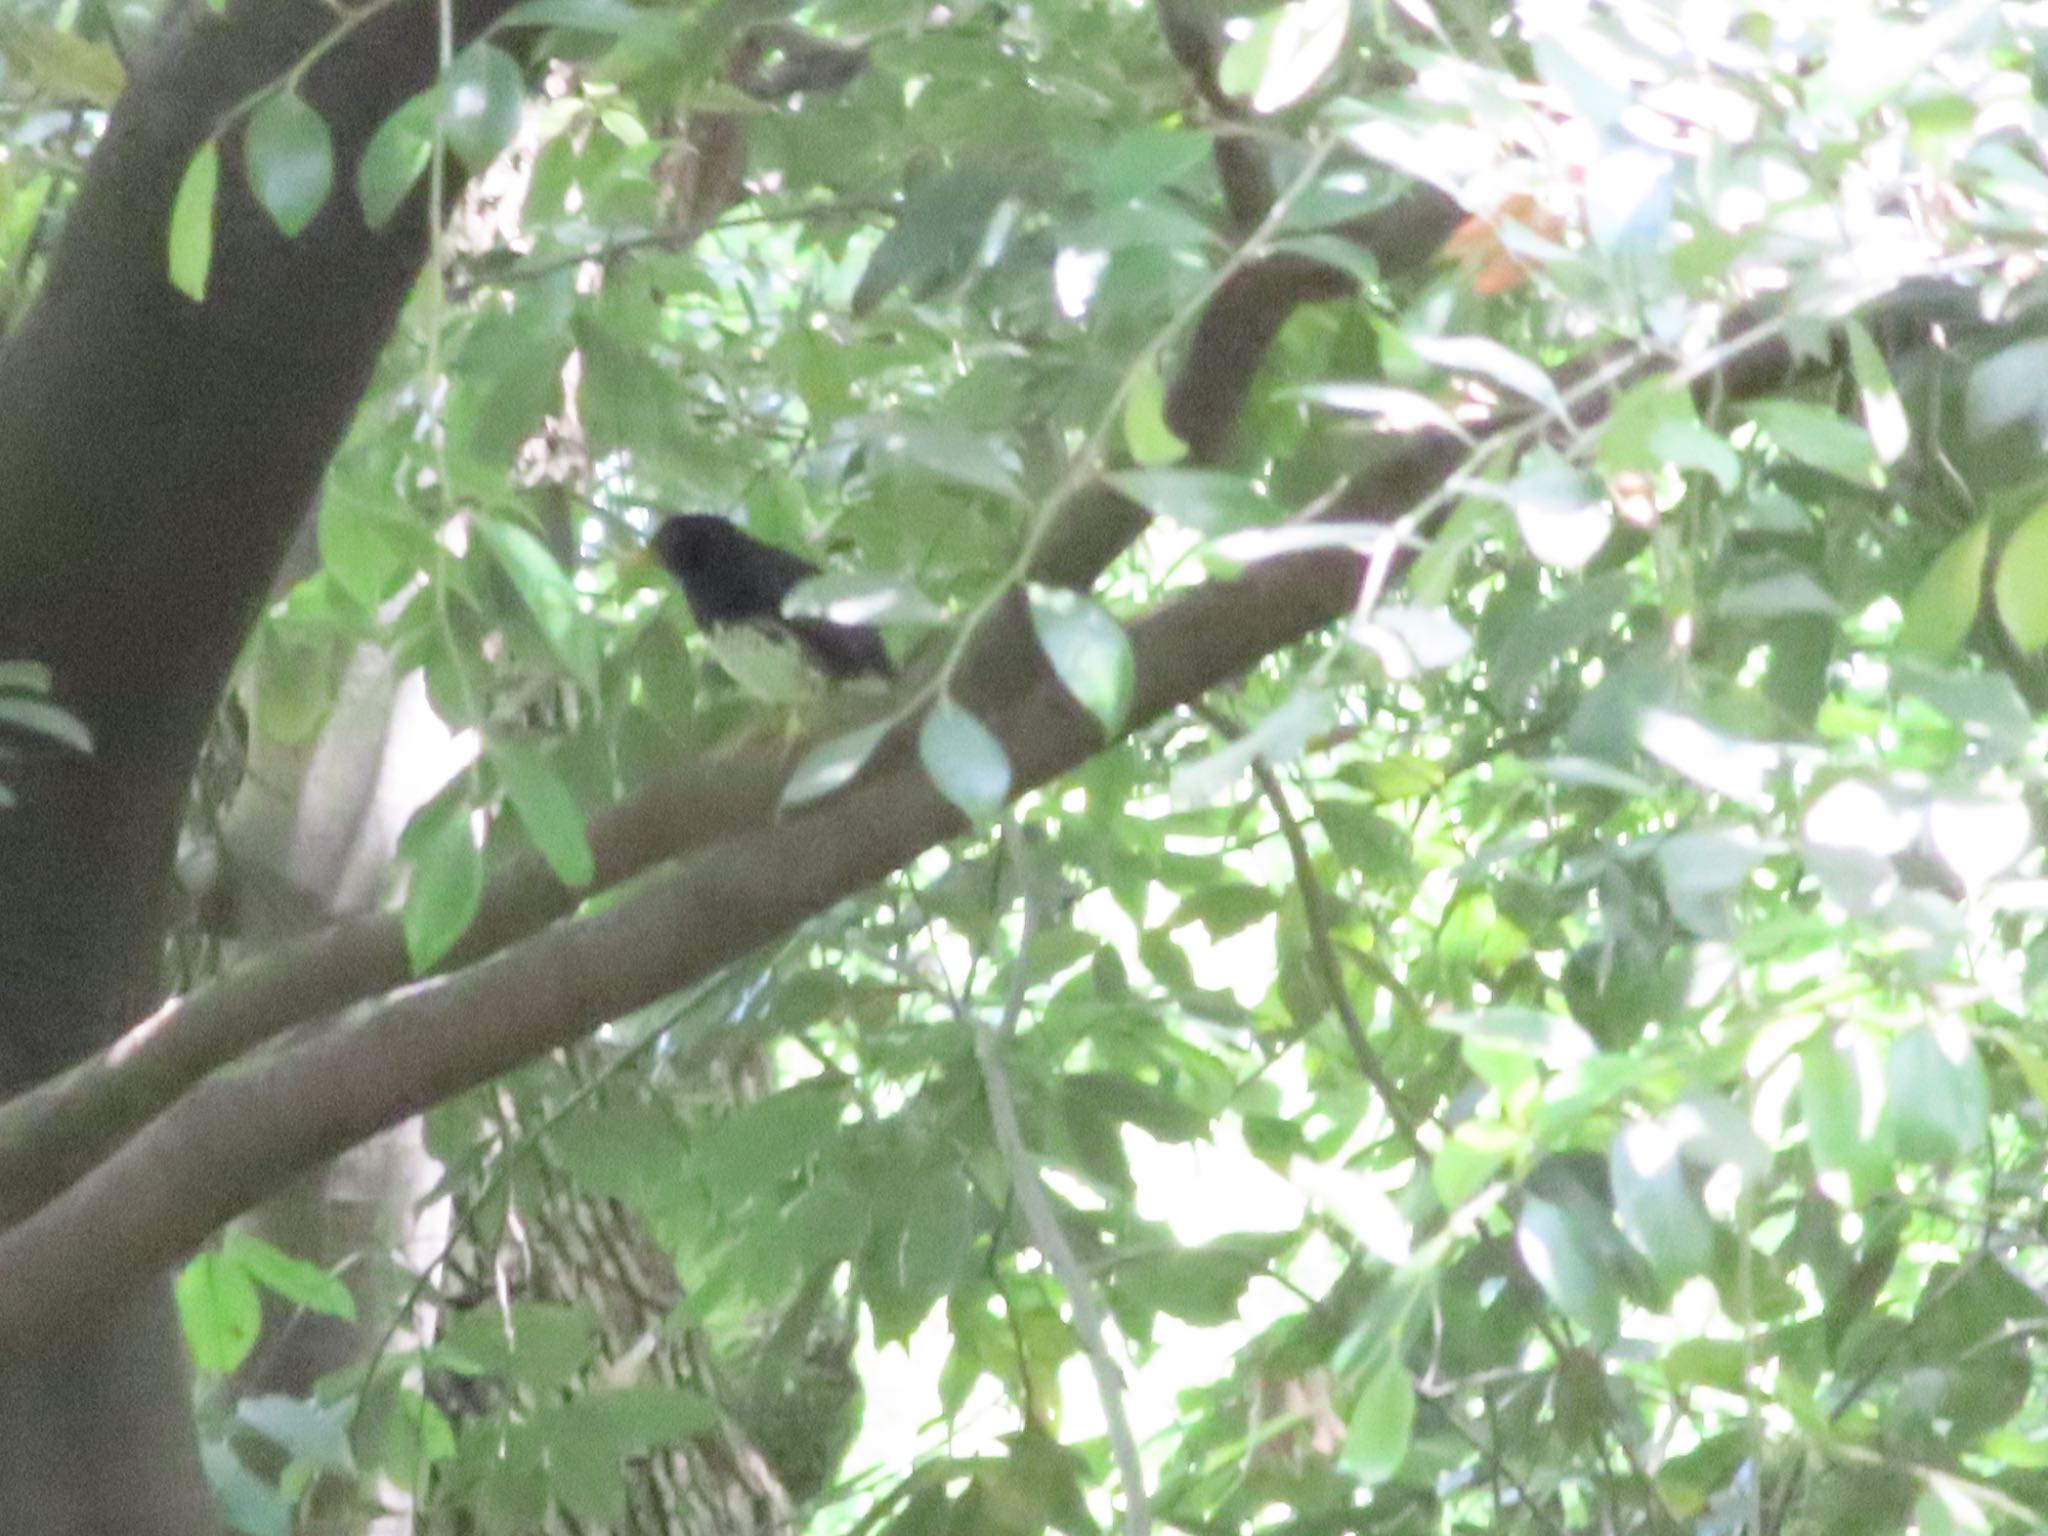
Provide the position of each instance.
(1329, 968)
(1027, 1181)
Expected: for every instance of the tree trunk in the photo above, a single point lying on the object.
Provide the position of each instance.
(158, 457)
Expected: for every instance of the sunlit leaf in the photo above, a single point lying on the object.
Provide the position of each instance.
(832, 765)
(1942, 607)
(299, 1282)
(42, 718)
(219, 1310)
(1628, 200)
(191, 236)
(1939, 1100)
(2020, 587)
(446, 888)
(1884, 414)
(1087, 650)
(1285, 53)
(856, 597)
(549, 596)
(1563, 515)
(1402, 410)
(1206, 500)
(546, 808)
(1821, 438)
(1382, 1422)
(481, 101)
(1564, 1256)
(1711, 759)
(394, 158)
(1492, 361)
(1657, 1208)
(966, 762)
(1146, 434)
(1841, 1098)
(1979, 836)
(1279, 738)
(290, 159)
(61, 63)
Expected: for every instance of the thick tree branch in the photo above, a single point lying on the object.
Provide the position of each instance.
(157, 458)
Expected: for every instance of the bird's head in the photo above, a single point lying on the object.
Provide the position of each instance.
(686, 543)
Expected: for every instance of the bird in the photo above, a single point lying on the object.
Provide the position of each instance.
(735, 585)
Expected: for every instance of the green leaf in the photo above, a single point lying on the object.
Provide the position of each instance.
(938, 235)
(1938, 1101)
(1943, 606)
(2020, 586)
(610, 17)
(833, 765)
(549, 594)
(1203, 1286)
(1656, 1206)
(417, 1437)
(972, 459)
(1884, 414)
(538, 1344)
(1087, 650)
(1470, 1157)
(2007, 388)
(861, 597)
(1817, 436)
(1207, 500)
(1837, 1100)
(1564, 1256)
(219, 1310)
(314, 1434)
(1286, 51)
(363, 547)
(43, 718)
(1494, 362)
(393, 159)
(1150, 440)
(628, 1421)
(1279, 738)
(289, 156)
(191, 237)
(62, 64)
(759, 1147)
(446, 888)
(1382, 1423)
(297, 1281)
(965, 761)
(546, 809)
(250, 1505)
(1144, 160)
(26, 676)
(938, 1235)
(1563, 515)
(481, 101)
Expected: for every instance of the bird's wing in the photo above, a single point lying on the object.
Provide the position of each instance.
(765, 576)
(843, 650)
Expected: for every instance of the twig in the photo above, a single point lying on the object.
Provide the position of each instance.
(1043, 1222)
(1329, 969)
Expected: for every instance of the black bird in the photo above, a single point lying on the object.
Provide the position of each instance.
(735, 586)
